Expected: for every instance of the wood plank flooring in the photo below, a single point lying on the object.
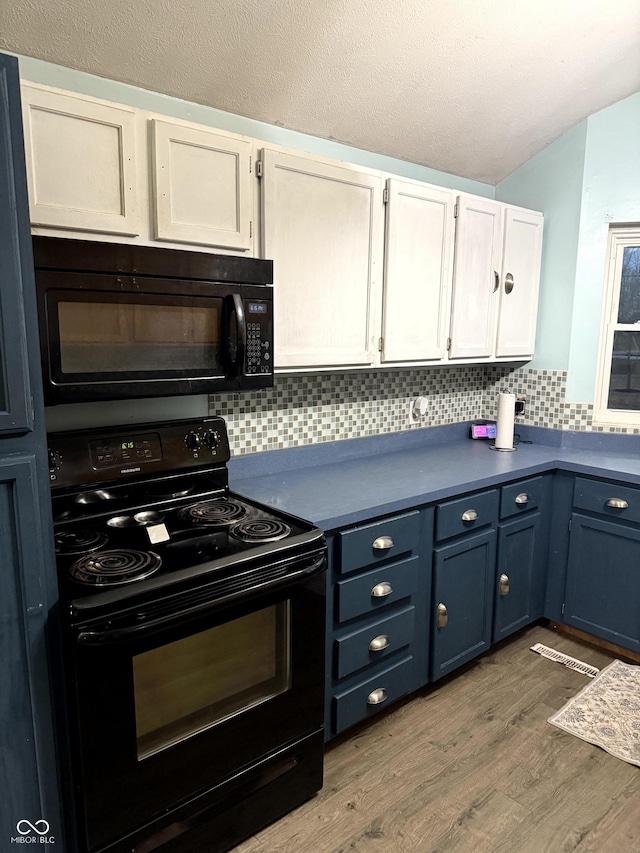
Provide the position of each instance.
(472, 766)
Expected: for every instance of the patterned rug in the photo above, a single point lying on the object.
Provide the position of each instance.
(607, 712)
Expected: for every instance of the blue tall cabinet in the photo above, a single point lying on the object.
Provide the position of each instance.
(28, 766)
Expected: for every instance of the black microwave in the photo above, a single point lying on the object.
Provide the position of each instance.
(120, 321)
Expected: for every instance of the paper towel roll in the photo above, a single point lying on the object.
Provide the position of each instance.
(506, 416)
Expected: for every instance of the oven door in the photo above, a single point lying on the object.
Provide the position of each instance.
(169, 710)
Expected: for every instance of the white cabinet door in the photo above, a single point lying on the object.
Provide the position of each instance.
(202, 187)
(476, 275)
(322, 227)
(81, 165)
(418, 271)
(519, 282)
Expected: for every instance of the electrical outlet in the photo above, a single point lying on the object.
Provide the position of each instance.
(521, 401)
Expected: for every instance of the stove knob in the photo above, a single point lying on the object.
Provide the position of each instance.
(192, 440)
(211, 439)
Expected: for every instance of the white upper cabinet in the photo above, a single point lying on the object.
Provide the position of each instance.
(519, 282)
(322, 227)
(81, 163)
(202, 186)
(496, 280)
(476, 278)
(418, 271)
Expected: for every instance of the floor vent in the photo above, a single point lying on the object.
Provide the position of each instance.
(565, 660)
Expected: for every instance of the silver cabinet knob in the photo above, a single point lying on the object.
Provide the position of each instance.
(522, 498)
(381, 590)
(617, 503)
(442, 617)
(383, 543)
(469, 515)
(504, 584)
(508, 283)
(379, 643)
(377, 696)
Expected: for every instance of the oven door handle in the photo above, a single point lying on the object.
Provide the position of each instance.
(237, 345)
(140, 629)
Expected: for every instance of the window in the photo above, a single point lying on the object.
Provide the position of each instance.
(618, 382)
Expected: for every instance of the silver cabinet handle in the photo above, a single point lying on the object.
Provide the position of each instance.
(616, 503)
(381, 590)
(469, 515)
(522, 498)
(508, 283)
(497, 281)
(377, 696)
(383, 543)
(504, 584)
(379, 643)
(442, 616)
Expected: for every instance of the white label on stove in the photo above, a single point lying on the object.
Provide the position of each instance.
(158, 533)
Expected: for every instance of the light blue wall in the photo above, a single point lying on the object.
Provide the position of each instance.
(611, 194)
(552, 182)
(48, 74)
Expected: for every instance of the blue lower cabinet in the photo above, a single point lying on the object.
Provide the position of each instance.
(462, 603)
(603, 580)
(520, 580)
(374, 693)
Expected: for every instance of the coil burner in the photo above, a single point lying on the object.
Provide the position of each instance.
(260, 530)
(79, 541)
(222, 511)
(109, 568)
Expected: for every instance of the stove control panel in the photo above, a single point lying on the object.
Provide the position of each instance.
(86, 456)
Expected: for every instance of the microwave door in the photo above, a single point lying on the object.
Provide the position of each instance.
(235, 335)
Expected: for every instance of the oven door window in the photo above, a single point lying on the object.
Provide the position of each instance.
(187, 686)
(127, 336)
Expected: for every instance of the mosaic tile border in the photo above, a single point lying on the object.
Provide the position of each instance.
(307, 409)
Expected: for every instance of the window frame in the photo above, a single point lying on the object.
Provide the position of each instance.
(619, 238)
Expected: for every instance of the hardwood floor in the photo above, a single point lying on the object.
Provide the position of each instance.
(472, 765)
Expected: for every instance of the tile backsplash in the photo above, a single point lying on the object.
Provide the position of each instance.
(306, 409)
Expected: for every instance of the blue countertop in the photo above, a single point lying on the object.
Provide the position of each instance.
(353, 481)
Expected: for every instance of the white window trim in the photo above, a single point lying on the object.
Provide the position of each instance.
(619, 239)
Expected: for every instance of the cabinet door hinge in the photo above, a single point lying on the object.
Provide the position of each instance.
(385, 196)
(562, 611)
(30, 411)
(455, 211)
(380, 344)
(258, 168)
(250, 161)
(570, 525)
(250, 229)
(448, 344)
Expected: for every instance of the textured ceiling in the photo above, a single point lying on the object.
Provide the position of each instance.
(471, 87)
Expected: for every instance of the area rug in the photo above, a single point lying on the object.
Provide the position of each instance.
(607, 712)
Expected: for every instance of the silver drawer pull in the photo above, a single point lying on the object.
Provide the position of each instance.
(383, 543)
(381, 590)
(469, 515)
(442, 616)
(377, 696)
(522, 498)
(504, 584)
(617, 503)
(379, 643)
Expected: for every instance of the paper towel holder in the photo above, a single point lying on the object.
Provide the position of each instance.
(503, 449)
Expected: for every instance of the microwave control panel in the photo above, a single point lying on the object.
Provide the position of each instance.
(259, 357)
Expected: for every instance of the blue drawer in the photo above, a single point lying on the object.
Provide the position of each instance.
(359, 702)
(371, 543)
(374, 641)
(598, 496)
(463, 515)
(517, 498)
(356, 596)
